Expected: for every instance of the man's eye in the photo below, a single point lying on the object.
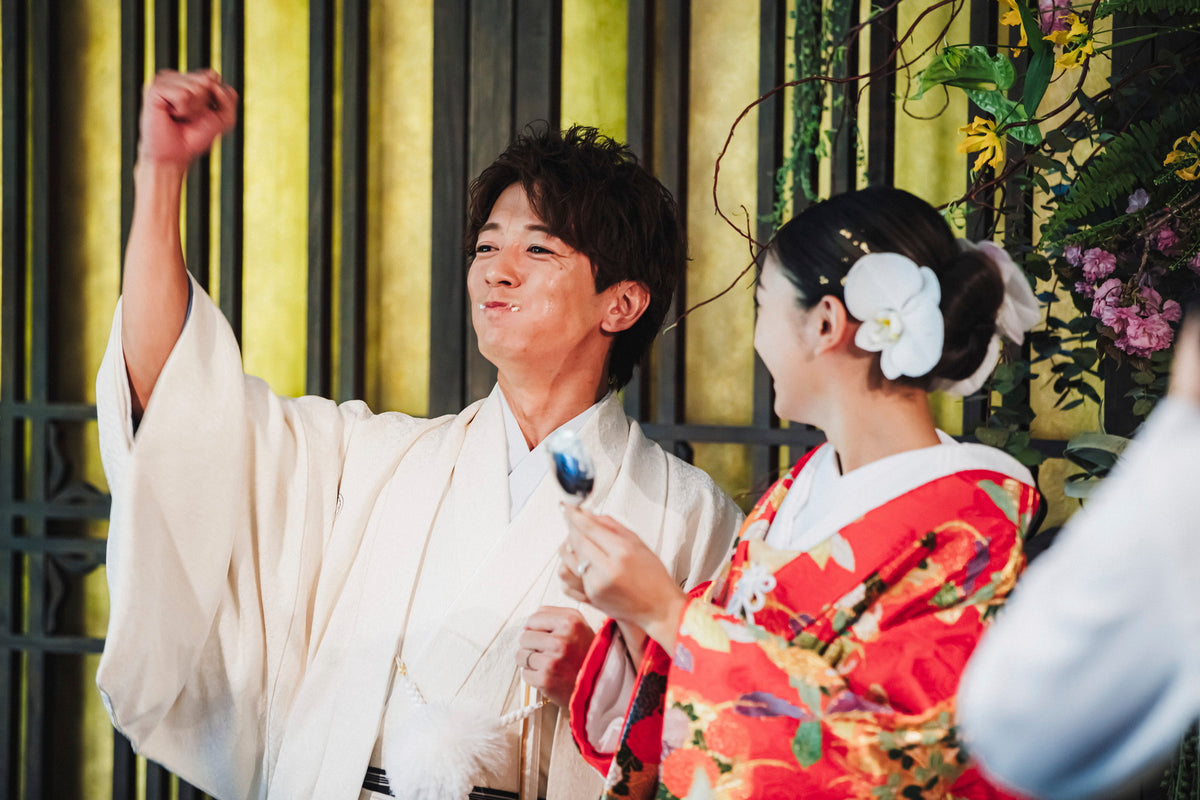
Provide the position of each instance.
(537, 248)
(484, 248)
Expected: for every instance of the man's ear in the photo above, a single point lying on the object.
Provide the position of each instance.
(628, 300)
(834, 327)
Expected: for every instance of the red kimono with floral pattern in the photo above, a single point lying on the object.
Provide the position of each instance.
(830, 673)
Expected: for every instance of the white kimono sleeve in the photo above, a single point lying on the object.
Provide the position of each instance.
(220, 506)
(1092, 672)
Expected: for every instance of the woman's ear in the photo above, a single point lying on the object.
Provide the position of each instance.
(628, 300)
(834, 326)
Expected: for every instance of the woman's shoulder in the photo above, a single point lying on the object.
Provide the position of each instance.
(954, 480)
(974, 457)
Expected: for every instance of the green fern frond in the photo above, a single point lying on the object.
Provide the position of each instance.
(1146, 7)
(1127, 161)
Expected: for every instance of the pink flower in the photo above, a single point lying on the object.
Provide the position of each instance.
(1143, 336)
(1151, 299)
(1119, 318)
(1104, 303)
(1107, 293)
(1166, 239)
(1194, 264)
(1053, 15)
(1085, 289)
(1137, 201)
(1098, 264)
(1073, 253)
(1152, 303)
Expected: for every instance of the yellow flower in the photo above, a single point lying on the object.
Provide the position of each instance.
(1078, 28)
(1076, 42)
(1071, 59)
(1012, 17)
(982, 138)
(1187, 151)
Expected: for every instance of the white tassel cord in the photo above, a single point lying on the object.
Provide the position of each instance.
(440, 751)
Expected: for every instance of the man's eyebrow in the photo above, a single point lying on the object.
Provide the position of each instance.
(536, 227)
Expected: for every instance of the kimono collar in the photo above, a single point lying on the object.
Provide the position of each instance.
(527, 468)
(884, 480)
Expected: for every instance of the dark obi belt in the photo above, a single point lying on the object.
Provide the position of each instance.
(376, 781)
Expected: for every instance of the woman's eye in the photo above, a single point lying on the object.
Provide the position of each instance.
(484, 248)
(537, 248)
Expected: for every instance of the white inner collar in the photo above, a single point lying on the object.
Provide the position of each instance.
(527, 468)
(821, 500)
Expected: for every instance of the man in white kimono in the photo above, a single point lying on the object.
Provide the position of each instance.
(283, 572)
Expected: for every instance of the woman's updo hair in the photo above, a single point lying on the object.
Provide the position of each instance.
(817, 248)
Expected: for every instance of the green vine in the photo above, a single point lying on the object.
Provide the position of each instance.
(819, 36)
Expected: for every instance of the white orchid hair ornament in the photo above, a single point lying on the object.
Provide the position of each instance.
(898, 303)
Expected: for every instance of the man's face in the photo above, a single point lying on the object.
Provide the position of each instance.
(533, 297)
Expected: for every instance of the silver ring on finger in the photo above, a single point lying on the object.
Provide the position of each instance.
(528, 656)
(582, 567)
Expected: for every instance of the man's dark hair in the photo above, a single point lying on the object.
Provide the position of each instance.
(592, 193)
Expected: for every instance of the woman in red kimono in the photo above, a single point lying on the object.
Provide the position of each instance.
(823, 661)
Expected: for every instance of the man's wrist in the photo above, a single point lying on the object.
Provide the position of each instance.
(150, 171)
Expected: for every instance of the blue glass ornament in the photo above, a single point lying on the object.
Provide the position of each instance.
(572, 466)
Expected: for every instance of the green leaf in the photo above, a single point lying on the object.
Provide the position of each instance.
(1080, 487)
(1029, 456)
(1007, 114)
(1001, 498)
(1033, 30)
(806, 745)
(967, 67)
(809, 695)
(991, 436)
(946, 596)
(1088, 391)
(1038, 266)
(1095, 452)
(1037, 76)
(1059, 141)
(1081, 324)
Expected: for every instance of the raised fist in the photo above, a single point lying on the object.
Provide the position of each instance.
(182, 114)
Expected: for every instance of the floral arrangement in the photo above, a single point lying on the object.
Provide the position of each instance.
(1124, 266)
(1121, 230)
(1129, 262)
(1118, 235)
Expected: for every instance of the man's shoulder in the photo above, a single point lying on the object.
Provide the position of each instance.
(399, 434)
(682, 477)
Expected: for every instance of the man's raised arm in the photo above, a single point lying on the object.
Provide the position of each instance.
(182, 115)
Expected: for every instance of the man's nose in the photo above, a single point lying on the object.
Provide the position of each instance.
(504, 269)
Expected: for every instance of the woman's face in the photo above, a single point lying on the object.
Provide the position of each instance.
(784, 341)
